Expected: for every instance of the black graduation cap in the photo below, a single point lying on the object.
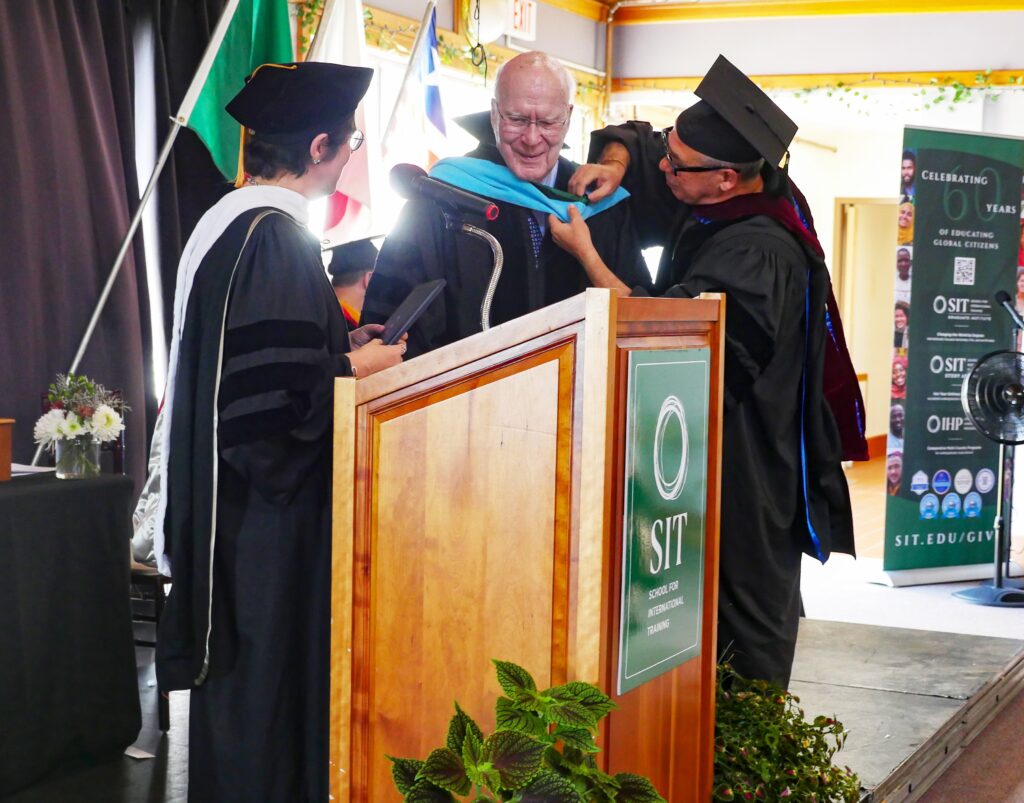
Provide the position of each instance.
(284, 103)
(734, 120)
(356, 257)
(478, 124)
(291, 103)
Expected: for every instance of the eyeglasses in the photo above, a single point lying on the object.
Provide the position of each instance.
(517, 124)
(355, 142)
(678, 168)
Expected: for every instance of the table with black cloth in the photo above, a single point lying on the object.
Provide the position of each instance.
(68, 686)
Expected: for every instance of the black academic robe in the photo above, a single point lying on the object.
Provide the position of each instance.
(250, 635)
(420, 248)
(783, 488)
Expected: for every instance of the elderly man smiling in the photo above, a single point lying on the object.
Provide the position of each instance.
(516, 164)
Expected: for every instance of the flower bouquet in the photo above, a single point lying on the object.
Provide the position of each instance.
(82, 415)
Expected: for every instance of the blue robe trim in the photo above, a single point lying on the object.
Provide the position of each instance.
(803, 432)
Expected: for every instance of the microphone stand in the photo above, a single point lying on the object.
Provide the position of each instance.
(1001, 592)
(455, 223)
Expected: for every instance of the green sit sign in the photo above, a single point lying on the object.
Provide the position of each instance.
(663, 513)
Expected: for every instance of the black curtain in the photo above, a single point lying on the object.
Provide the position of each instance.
(68, 190)
(190, 183)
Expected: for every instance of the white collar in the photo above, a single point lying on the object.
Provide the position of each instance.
(549, 179)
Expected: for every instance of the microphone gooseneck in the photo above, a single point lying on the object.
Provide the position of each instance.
(1003, 300)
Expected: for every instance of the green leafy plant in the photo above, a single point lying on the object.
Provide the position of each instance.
(766, 750)
(520, 761)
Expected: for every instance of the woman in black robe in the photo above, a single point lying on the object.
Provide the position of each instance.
(258, 341)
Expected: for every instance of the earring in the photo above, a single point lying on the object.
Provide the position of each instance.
(316, 161)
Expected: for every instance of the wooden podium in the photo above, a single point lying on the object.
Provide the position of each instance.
(478, 514)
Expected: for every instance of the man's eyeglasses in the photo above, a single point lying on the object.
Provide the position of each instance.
(355, 142)
(517, 124)
(678, 168)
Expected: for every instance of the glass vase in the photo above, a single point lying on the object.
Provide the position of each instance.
(77, 458)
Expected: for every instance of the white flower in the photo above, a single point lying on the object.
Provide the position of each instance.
(106, 423)
(72, 427)
(45, 431)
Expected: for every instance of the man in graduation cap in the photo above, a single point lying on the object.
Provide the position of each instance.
(244, 521)
(714, 192)
(517, 165)
(351, 265)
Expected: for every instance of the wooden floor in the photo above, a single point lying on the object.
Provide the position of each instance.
(867, 495)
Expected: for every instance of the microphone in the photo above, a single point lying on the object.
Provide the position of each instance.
(1003, 300)
(409, 181)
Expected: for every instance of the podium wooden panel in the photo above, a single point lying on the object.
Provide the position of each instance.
(478, 514)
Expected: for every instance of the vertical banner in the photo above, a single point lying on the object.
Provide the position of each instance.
(665, 492)
(957, 245)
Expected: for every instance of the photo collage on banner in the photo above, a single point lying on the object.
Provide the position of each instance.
(901, 323)
(958, 243)
(1019, 295)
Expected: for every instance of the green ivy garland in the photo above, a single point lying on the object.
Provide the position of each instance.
(934, 94)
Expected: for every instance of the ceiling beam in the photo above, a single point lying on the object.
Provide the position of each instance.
(995, 78)
(640, 13)
(590, 9)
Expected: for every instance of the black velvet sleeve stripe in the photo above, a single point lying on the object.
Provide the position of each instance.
(266, 378)
(257, 426)
(273, 334)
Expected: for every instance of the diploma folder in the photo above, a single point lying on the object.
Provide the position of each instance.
(409, 311)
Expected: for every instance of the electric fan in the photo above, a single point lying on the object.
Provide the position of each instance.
(993, 399)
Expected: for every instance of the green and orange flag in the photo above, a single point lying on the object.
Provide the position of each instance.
(249, 33)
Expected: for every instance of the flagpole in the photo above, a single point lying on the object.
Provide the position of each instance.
(316, 49)
(416, 45)
(184, 112)
(199, 79)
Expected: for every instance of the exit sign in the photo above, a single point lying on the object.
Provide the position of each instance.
(523, 19)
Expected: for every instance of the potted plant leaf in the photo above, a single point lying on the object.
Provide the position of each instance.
(542, 751)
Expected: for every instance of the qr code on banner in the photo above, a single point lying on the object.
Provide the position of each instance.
(963, 270)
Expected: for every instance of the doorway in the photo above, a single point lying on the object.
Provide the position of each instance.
(863, 272)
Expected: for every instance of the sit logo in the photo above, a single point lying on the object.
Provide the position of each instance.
(669, 527)
(670, 408)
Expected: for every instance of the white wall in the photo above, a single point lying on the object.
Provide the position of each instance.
(567, 36)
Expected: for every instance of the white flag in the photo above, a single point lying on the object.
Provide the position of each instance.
(341, 39)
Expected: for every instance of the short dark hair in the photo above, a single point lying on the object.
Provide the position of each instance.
(909, 155)
(267, 159)
(349, 277)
